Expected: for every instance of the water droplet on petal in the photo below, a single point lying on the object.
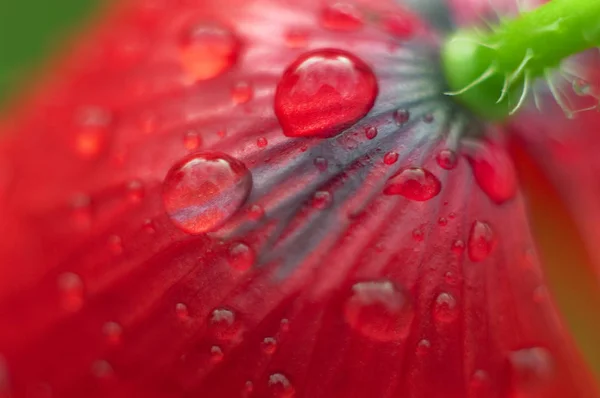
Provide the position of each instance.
(447, 159)
(92, 132)
(204, 190)
(241, 257)
(341, 17)
(321, 200)
(216, 353)
(280, 386)
(581, 87)
(296, 38)
(224, 324)
(414, 183)
(418, 234)
(192, 140)
(135, 191)
(428, 118)
(390, 158)
(494, 172)
(481, 241)
(480, 385)
(269, 345)
(531, 367)
(261, 142)
(445, 308)
(81, 206)
(208, 50)
(401, 116)
(255, 212)
(71, 291)
(371, 132)
(323, 93)
(401, 25)
(423, 347)
(321, 163)
(249, 387)
(102, 369)
(181, 310)
(113, 332)
(379, 310)
(284, 325)
(148, 226)
(458, 247)
(442, 221)
(241, 93)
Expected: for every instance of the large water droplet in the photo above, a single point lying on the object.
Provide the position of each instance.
(208, 50)
(445, 308)
(481, 241)
(531, 367)
(379, 310)
(494, 172)
(241, 257)
(224, 324)
(414, 183)
(280, 386)
(341, 17)
(324, 92)
(202, 191)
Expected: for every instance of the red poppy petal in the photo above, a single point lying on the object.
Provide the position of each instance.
(318, 284)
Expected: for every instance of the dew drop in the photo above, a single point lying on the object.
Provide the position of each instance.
(241, 93)
(494, 172)
(269, 345)
(445, 308)
(280, 386)
(414, 183)
(256, 212)
(284, 325)
(323, 93)
(447, 159)
(321, 200)
(115, 244)
(296, 38)
(81, 206)
(248, 387)
(113, 332)
(458, 247)
(402, 116)
(371, 132)
(135, 191)
(192, 140)
(481, 241)
(418, 234)
(202, 191)
(442, 221)
(261, 142)
(102, 369)
(428, 118)
(480, 385)
(93, 128)
(71, 291)
(531, 367)
(423, 347)
(148, 226)
(224, 324)
(321, 163)
(216, 353)
(379, 310)
(208, 50)
(341, 17)
(390, 158)
(581, 87)
(182, 312)
(241, 256)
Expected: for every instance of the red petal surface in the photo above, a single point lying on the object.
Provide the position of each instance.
(318, 285)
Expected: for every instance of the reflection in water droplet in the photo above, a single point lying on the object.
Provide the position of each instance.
(371, 132)
(192, 140)
(208, 50)
(224, 324)
(280, 386)
(341, 17)
(323, 93)
(321, 163)
(401, 116)
(241, 257)
(379, 310)
(445, 308)
(481, 241)
(447, 159)
(414, 183)
(269, 345)
(71, 291)
(390, 158)
(202, 191)
(113, 332)
(494, 172)
(531, 368)
(321, 200)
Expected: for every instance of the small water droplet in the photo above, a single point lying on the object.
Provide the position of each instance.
(284, 325)
(182, 312)
(451, 278)
(447, 159)
(269, 345)
(242, 93)
(428, 118)
(208, 50)
(71, 291)
(321, 200)
(341, 17)
(323, 93)
(321, 163)
(135, 191)
(81, 206)
(241, 256)
(255, 212)
(224, 324)
(148, 226)
(423, 347)
(113, 332)
(481, 241)
(531, 367)
(192, 140)
(379, 310)
(494, 172)
(280, 386)
(445, 308)
(401, 25)
(296, 38)
(92, 131)
(390, 158)
(249, 387)
(261, 142)
(216, 353)
(203, 191)
(480, 385)
(418, 234)
(458, 247)
(581, 87)
(115, 244)
(401, 116)
(371, 132)
(442, 221)
(414, 183)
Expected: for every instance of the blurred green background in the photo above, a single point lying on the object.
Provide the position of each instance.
(30, 30)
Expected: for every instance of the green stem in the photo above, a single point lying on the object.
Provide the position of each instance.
(483, 67)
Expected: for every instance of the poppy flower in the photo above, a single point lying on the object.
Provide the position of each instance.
(276, 198)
